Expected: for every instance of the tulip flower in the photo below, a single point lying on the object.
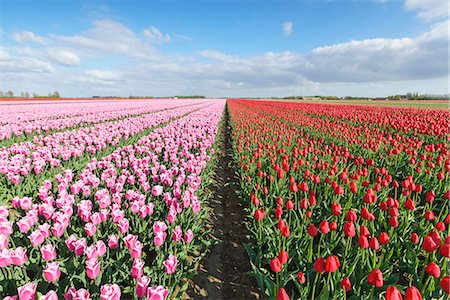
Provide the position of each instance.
(282, 295)
(392, 293)
(332, 263)
(345, 284)
(375, 278)
(433, 270)
(276, 265)
(412, 293)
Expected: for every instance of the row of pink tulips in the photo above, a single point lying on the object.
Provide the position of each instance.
(34, 156)
(127, 224)
(19, 120)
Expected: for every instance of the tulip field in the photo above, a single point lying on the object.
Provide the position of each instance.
(107, 199)
(103, 201)
(345, 201)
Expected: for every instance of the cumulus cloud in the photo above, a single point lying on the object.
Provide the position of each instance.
(108, 36)
(287, 28)
(12, 64)
(23, 37)
(425, 56)
(103, 75)
(154, 35)
(64, 57)
(429, 10)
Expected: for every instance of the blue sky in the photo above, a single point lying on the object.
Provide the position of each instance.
(224, 48)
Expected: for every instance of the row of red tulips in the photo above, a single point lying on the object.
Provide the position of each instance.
(345, 202)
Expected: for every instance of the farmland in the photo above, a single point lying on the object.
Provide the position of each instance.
(105, 199)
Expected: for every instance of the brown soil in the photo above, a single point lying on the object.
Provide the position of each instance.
(222, 270)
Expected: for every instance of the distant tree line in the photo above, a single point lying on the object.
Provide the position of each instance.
(417, 96)
(10, 94)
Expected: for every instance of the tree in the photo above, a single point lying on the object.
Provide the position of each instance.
(10, 94)
(1, 93)
(27, 95)
(56, 94)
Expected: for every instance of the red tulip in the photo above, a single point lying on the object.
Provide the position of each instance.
(324, 227)
(312, 230)
(319, 265)
(429, 215)
(363, 242)
(349, 229)
(392, 293)
(332, 263)
(440, 226)
(336, 209)
(412, 293)
(301, 277)
(259, 214)
(433, 270)
(409, 204)
(275, 265)
(445, 284)
(289, 205)
(429, 244)
(282, 295)
(333, 225)
(373, 243)
(351, 216)
(346, 284)
(445, 250)
(304, 186)
(375, 278)
(384, 238)
(414, 238)
(283, 256)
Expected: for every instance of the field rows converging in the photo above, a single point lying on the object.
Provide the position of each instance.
(223, 199)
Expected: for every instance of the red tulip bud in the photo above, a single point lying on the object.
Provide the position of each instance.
(433, 270)
(445, 284)
(282, 295)
(346, 284)
(276, 265)
(319, 265)
(392, 293)
(283, 256)
(412, 293)
(301, 277)
(375, 278)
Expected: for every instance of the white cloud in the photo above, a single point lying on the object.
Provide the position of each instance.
(425, 56)
(154, 35)
(64, 57)
(103, 75)
(429, 10)
(287, 28)
(107, 36)
(28, 36)
(12, 64)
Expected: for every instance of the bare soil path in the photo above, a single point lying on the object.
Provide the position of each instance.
(222, 270)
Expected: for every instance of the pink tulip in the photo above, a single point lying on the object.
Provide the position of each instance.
(19, 256)
(51, 295)
(142, 285)
(188, 236)
(6, 227)
(113, 241)
(5, 258)
(159, 238)
(157, 293)
(27, 291)
(52, 272)
(101, 248)
(177, 234)
(92, 268)
(136, 252)
(90, 229)
(157, 190)
(137, 270)
(48, 252)
(70, 242)
(3, 241)
(123, 225)
(171, 264)
(110, 292)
